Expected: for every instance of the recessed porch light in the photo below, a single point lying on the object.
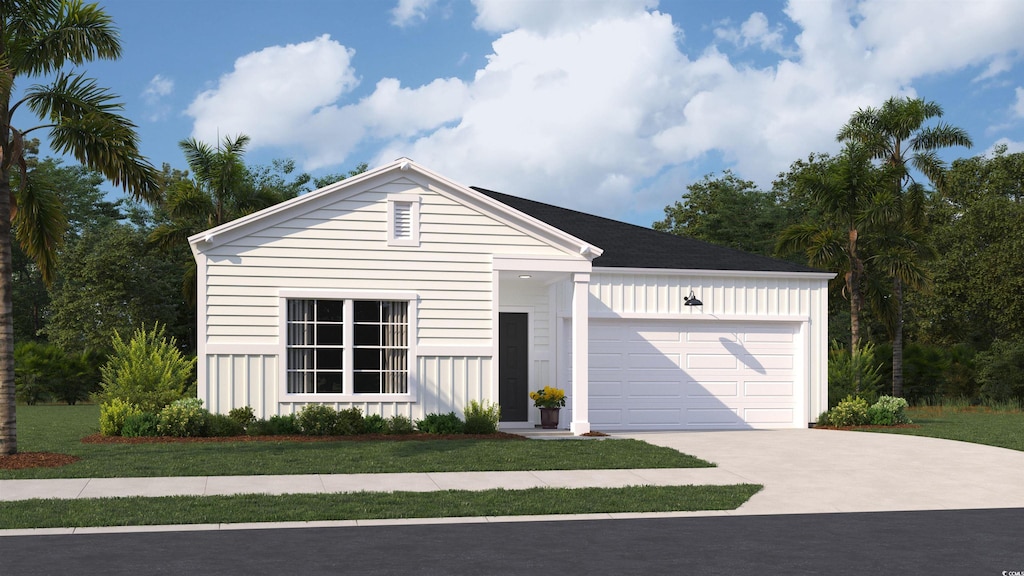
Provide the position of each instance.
(525, 276)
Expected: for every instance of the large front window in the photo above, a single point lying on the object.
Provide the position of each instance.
(347, 346)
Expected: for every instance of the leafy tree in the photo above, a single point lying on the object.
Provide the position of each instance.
(896, 135)
(727, 211)
(975, 226)
(843, 192)
(112, 280)
(39, 39)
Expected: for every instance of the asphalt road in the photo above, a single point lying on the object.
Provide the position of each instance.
(933, 543)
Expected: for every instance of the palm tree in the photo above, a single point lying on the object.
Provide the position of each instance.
(843, 193)
(38, 38)
(895, 134)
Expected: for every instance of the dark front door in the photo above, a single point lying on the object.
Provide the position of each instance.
(513, 368)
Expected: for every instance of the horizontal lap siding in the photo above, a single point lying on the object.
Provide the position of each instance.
(343, 246)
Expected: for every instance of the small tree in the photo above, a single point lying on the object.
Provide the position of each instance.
(148, 371)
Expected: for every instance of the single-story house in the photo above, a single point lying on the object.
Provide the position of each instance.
(399, 291)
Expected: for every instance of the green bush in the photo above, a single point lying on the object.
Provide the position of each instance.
(317, 420)
(482, 418)
(139, 425)
(888, 411)
(44, 372)
(844, 370)
(184, 418)
(350, 422)
(375, 424)
(851, 411)
(277, 425)
(440, 424)
(1001, 372)
(148, 371)
(113, 414)
(243, 415)
(223, 425)
(399, 424)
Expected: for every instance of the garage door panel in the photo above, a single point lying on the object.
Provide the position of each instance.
(673, 374)
(666, 360)
(655, 417)
(653, 390)
(712, 389)
(768, 416)
(762, 389)
(710, 361)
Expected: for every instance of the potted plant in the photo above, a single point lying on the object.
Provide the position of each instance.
(549, 400)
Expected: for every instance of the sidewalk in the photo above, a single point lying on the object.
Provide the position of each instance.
(71, 488)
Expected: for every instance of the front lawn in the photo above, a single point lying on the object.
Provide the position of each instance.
(60, 429)
(969, 424)
(366, 505)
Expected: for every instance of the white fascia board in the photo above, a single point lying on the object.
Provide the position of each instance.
(208, 236)
(722, 273)
(539, 264)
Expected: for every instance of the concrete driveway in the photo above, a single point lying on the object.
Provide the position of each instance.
(818, 471)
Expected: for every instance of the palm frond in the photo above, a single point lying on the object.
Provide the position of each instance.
(40, 223)
(51, 34)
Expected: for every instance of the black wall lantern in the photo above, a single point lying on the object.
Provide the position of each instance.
(691, 300)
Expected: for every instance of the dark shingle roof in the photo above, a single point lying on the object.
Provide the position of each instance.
(630, 246)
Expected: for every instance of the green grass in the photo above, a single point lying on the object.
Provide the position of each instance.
(365, 505)
(1004, 429)
(60, 428)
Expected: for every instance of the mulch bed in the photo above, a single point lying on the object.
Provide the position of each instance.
(866, 427)
(23, 460)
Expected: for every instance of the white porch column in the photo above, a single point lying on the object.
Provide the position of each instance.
(580, 354)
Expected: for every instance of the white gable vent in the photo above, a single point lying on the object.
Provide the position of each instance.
(403, 220)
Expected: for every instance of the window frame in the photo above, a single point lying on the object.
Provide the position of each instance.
(348, 391)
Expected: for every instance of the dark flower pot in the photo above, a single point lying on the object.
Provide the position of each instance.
(549, 418)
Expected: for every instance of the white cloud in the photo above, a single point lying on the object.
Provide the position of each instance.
(599, 109)
(1018, 106)
(410, 12)
(154, 94)
(275, 95)
(755, 31)
(1012, 147)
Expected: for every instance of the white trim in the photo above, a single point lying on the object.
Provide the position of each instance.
(694, 316)
(202, 376)
(495, 289)
(234, 349)
(456, 351)
(413, 201)
(518, 263)
(531, 359)
(412, 355)
(722, 273)
(580, 354)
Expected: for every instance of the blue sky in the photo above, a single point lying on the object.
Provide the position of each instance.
(606, 106)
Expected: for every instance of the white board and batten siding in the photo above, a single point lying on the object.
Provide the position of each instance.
(341, 245)
(749, 357)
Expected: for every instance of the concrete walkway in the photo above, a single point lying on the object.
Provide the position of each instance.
(803, 471)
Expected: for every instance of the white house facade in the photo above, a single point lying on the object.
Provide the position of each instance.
(399, 291)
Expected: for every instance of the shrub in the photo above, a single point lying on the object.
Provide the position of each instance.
(244, 416)
(845, 369)
(223, 425)
(375, 424)
(399, 424)
(277, 425)
(350, 422)
(113, 414)
(317, 420)
(140, 424)
(440, 424)
(148, 371)
(183, 418)
(44, 371)
(482, 418)
(888, 411)
(850, 412)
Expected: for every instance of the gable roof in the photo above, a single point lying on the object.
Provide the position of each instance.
(630, 246)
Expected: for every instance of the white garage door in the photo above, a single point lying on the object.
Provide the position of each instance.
(685, 375)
